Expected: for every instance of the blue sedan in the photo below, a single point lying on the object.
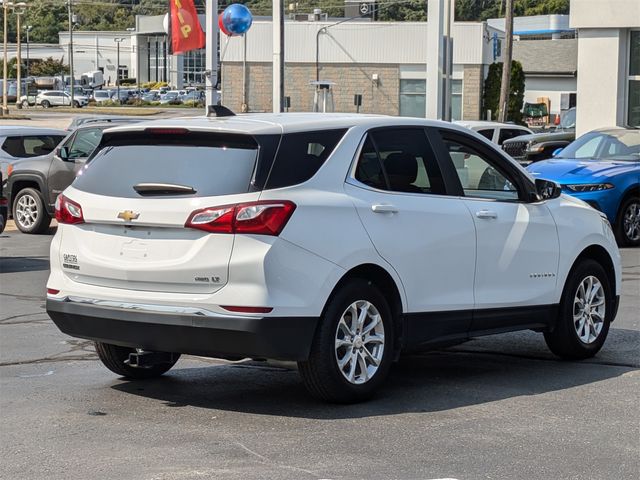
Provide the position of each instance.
(603, 169)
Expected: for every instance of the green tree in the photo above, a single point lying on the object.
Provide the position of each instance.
(491, 95)
(47, 67)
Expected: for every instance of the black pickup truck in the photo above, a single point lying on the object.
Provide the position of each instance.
(540, 146)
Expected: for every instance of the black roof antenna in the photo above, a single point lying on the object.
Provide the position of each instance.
(219, 111)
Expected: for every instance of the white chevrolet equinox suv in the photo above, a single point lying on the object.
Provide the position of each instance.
(336, 241)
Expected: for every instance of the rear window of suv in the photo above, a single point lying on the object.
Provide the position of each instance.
(210, 164)
(25, 146)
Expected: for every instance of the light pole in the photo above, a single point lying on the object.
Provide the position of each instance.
(118, 41)
(27, 29)
(5, 8)
(73, 79)
(132, 31)
(19, 9)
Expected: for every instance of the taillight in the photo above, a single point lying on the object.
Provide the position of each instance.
(52, 291)
(68, 211)
(267, 217)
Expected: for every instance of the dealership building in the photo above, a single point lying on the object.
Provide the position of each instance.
(608, 61)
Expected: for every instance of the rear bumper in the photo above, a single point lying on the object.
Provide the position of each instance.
(281, 338)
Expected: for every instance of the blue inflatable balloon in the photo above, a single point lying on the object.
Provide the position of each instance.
(237, 19)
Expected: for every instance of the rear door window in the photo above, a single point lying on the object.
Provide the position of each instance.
(507, 133)
(31, 146)
(487, 133)
(399, 160)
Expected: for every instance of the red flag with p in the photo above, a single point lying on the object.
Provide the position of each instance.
(186, 32)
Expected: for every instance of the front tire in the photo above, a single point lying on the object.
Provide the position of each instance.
(29, 212)
(586, 311)
(45, 104)
(628, 223)
(353, 347)
(25, 104)
(113, 357)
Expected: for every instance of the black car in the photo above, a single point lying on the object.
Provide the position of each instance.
(540, 146)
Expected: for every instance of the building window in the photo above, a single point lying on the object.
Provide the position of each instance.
(633, 105)
(456, 99)
(413, 98)
(193, 65)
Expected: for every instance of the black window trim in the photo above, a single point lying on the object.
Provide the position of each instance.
(449, 184)
(525, 187)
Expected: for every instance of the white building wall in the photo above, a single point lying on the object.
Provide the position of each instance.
(93, 50)
(602, 66)
(552, 87)
(356, 42)
(605, 13)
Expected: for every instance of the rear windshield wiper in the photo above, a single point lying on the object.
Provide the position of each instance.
(163, 189)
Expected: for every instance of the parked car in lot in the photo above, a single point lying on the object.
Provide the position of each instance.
(18, 142)
(34, 184)
(58, 98)
(495, 132)
(337, 241)
(603, 169)
(172, 96)
(540, 146)
(101, 96)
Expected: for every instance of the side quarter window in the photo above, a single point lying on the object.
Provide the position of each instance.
(480, 175)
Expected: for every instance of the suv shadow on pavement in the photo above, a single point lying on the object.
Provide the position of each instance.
(429, 382)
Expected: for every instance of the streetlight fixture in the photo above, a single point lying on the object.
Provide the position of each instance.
(19, 9)
(118, 41)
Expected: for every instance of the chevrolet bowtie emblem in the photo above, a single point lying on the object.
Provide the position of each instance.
(128, 215)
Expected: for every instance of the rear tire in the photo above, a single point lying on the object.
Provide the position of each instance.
(45, 104)
(586, 311)
(353, 346)
(29, 213)
(114, 356)
(627, 228)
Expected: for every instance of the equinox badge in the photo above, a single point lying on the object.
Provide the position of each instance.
(128, 215)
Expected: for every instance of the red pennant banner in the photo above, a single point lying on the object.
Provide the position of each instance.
(186, 32)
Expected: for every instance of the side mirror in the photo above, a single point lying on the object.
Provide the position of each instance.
(547, 190)
(63, 153)
(556, 152)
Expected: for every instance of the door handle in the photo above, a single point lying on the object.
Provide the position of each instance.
(384, 209)
(486, 214)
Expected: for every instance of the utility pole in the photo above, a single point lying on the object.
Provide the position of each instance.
(211, 55)
(19, 9)
(5, 108)
(73, 81)
(503, 106)
(118, 41)
(278, 56)
(28, 29)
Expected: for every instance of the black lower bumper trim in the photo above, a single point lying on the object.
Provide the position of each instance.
(281, 338)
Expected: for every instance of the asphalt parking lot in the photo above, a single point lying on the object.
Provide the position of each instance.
(493, 408)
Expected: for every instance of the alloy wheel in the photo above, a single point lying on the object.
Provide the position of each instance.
(631, 222)
(589, 309)
(359, 342)
(27, 211)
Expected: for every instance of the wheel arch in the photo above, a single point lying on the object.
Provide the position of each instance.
(599, 254)
(20, 182)
(388, 287)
